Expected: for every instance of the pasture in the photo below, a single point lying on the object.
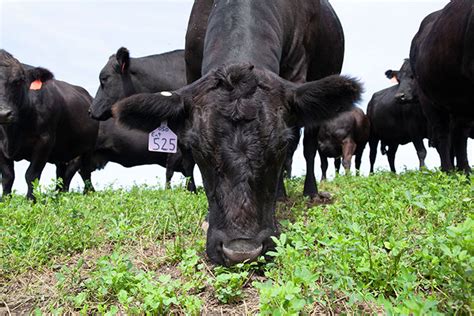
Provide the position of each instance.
(386, 244)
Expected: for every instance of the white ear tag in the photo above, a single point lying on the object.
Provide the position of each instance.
(163, 140)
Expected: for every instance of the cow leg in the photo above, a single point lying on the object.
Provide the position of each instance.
(337, 164)
(324, 166)
(7, 171)
(37, 164)
(71, 168)
(348, 150)
(358, 156)
(86, 171)
(290, 151)
(188, 170)
(309, 151)
(392, 150)
(172, 161)
(373, 144)
(459, 142)
(440, 136)
(60, 175)
(420, 151)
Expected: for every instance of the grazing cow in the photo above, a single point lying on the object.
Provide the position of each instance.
(42, 120)
(238, 118)
(121, 77)
(442, 59)
(324, 61)
(396, 118)
(345, 135)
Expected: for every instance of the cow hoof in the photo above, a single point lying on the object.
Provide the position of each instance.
(205, 226)
(322, 198)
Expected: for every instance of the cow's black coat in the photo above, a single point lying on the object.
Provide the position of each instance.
(442, 59)
(121, 77)
(396, 118)
(46, 125)
(238, 118)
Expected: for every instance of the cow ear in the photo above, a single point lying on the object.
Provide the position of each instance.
(123, 59)
(392, 74)
(320, 100)
(39, 73)
(146, 111)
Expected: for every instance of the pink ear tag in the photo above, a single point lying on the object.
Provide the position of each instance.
(163, 140)
(36, 85)
(394, 80)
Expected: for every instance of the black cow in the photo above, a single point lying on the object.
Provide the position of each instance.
(328, 57)
(42, 120)
(442, 59)
(345, 135)
(121, 77)
(237, 119)
(396, 118)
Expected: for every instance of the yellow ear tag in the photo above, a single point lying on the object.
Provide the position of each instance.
(36, 85)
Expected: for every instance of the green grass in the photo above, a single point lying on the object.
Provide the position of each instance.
(394, 243)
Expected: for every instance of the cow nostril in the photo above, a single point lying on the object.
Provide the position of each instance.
(241, 250)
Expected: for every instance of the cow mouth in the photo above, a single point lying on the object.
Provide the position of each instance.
(241, 250)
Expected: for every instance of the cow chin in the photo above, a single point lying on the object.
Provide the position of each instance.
(224, 250)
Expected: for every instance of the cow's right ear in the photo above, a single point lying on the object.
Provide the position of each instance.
(146, 111)
(392, 75)
(123, 59)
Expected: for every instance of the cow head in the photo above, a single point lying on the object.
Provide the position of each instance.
(406, 82)
(237, 122)
(116, 82)
(14, 84)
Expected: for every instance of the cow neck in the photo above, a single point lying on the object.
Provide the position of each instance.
(156, 74)
(128, 85)
(236, 34)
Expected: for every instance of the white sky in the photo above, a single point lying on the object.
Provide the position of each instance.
(75, 38)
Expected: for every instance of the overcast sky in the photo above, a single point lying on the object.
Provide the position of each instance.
(75, 38)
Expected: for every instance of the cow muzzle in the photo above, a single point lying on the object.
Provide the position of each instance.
(100, 116)
(241, 250)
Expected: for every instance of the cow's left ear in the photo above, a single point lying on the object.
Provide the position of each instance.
(39, 73)
(392, 74)
(146, 111)
(320, 100)
(123, 59)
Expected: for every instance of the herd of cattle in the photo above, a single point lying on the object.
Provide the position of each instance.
(252, 74)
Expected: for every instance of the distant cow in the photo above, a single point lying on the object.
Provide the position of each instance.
(343, 136)
(121, 77)
(442, 59)
(41, 120)
(396, 118)
(237, 119)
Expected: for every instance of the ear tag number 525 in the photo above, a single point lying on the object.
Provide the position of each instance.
(163, 140)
